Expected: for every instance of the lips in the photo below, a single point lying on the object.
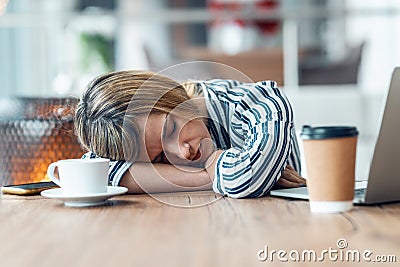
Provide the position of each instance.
(198, 155)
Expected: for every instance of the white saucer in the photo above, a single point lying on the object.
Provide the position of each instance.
(84, 200)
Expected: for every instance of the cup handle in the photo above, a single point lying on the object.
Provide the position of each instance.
(50, 173)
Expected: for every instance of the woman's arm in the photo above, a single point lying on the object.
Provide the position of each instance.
(289, 178)
(260, 124)
(159, 177)
(212, 162)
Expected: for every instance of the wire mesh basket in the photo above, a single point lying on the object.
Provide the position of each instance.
(33, 133)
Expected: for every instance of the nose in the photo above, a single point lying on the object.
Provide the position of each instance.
(180, 151)
(185, 150)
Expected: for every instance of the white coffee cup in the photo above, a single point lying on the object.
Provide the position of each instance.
(80, 176)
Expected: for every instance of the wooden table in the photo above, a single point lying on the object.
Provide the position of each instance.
(143, 230)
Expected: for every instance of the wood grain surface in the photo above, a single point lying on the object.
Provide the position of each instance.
(190, 229)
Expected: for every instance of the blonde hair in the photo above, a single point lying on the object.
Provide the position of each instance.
(105, 115)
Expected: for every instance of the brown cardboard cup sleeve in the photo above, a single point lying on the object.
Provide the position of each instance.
(330, 156)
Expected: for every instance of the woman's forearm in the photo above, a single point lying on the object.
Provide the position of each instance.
(158, 177)
(211, 162)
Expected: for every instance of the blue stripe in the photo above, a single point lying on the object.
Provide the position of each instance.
(237, 174)
(229, 165)
(279, 161)
(263, 105)
(246, 100)
(238, 189)
(114, 170)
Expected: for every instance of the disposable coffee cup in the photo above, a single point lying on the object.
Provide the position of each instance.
(80, 177)
(330, 156)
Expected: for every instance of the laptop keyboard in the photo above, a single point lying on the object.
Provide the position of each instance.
(360, 192)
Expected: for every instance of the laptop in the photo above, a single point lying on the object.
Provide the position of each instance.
(383, 181)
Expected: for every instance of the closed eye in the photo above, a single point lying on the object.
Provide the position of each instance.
(161, 158)
(158, 159)
(167, 131)
(169, 127)
(173, 128)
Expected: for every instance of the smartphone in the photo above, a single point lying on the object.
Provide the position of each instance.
(27, 189)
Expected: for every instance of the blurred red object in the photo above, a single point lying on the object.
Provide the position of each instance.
(268, 26)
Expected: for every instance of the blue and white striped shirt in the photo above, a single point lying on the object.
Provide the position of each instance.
(253, 124)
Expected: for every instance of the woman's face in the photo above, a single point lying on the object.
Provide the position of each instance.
(171, 139)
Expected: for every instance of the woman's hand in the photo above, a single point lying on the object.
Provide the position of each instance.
(290, 178)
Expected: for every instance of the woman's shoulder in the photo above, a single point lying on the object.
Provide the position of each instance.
(235, 88)
(230, 83)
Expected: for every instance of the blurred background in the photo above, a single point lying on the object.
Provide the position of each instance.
(334, 58)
